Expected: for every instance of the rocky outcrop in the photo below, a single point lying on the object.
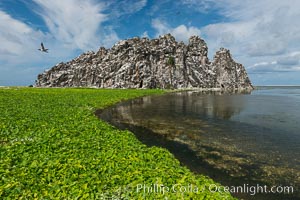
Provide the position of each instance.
(143, 63)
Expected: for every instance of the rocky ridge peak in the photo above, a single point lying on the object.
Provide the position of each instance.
(143, 63)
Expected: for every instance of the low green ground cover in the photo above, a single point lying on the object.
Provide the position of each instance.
(52, 146)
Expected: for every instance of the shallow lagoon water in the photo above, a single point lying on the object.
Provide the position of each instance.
(237, 138)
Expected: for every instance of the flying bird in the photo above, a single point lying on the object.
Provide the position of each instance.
(43, 48)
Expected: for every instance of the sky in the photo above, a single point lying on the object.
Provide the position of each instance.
(263, 35)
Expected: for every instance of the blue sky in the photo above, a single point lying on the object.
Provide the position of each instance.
(262, 35)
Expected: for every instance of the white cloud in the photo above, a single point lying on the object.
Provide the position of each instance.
(160, 26)
(110, 37)
(292, 58)
(125, 7)
(145, 34)
(18, 40)
(262, 35)
(134, 6)
(75, 23)
(18, 52)
(199, 5)
(285, 63)
(181, 32)
(73, 26)
(263, 64)
(246, 37)
(256, 32)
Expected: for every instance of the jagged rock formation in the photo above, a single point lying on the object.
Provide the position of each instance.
(144, 63)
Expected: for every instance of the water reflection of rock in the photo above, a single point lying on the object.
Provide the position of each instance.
(186, 104)
(211, 104)
(191, 118)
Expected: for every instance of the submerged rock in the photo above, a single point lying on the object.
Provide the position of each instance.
(143, 63)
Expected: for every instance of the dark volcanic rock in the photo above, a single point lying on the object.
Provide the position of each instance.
(144, 63)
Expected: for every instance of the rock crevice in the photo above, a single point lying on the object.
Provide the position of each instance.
(144, 63)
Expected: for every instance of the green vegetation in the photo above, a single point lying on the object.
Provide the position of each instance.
(52, 146)
(171, 61)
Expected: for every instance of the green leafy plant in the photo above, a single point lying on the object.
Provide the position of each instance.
(171, 61)
(52, 146)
